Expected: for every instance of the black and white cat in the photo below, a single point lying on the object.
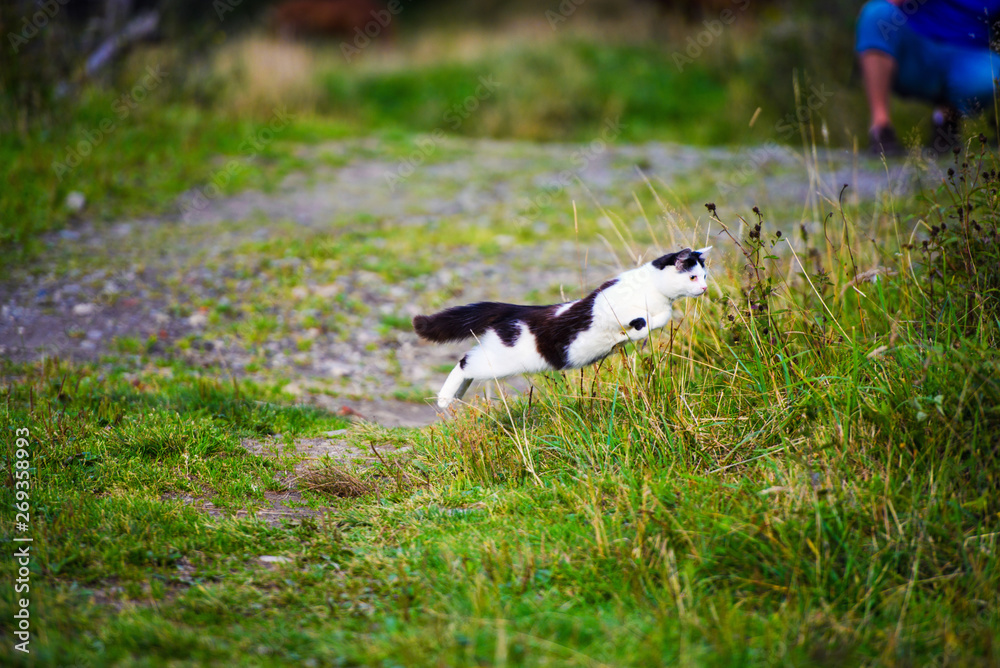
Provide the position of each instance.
(528, 339)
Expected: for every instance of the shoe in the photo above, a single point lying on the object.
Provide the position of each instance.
(882, 141)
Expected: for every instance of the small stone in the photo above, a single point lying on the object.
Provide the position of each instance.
(326, 291)
(198, 320)
(95, 335)
(268, 559)
(337, 369)
(202, 344)
(84, 309)
(75, 201)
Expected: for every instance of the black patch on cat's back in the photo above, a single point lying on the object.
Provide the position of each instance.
(554, 334)
(508, 332)
(506, 319)
(637, 324)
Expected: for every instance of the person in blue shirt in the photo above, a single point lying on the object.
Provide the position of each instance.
(935, 50)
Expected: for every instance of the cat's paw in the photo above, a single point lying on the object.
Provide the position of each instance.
(638, 324)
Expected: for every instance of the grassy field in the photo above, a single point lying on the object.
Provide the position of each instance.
(803, 470)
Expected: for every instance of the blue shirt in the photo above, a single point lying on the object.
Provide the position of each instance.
(966, 23)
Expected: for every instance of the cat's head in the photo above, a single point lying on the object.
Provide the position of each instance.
(682, 274)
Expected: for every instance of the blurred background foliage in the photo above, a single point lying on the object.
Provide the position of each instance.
(668, 68)
(735, 72)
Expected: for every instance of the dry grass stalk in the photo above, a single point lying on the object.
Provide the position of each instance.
(334, 481)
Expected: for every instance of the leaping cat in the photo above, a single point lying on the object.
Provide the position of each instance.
(515, 339)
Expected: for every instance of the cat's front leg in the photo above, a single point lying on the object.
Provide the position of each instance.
(637, 329)
(659, 320)
(640, 327)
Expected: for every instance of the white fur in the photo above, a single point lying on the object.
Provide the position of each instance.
(492, 359)
(645, 292)
(562, 309)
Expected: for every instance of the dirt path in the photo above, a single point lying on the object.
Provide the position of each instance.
(235, 286)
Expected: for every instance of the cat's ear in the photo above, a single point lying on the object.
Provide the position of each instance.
(673, 259)
(703, 251)
(665, 261)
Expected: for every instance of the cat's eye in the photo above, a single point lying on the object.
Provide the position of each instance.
(694, 278)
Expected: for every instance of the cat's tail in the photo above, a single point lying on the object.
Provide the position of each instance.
(463, 322)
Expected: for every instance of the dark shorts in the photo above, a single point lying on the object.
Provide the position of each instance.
(926, 69)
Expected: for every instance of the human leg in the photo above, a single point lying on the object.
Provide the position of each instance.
(877, 44)
(877, 71)
(894, 58)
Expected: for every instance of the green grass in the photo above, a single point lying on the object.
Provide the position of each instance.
(805, 472)
(594, 84)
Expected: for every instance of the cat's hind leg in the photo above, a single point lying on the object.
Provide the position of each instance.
(455, 387)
